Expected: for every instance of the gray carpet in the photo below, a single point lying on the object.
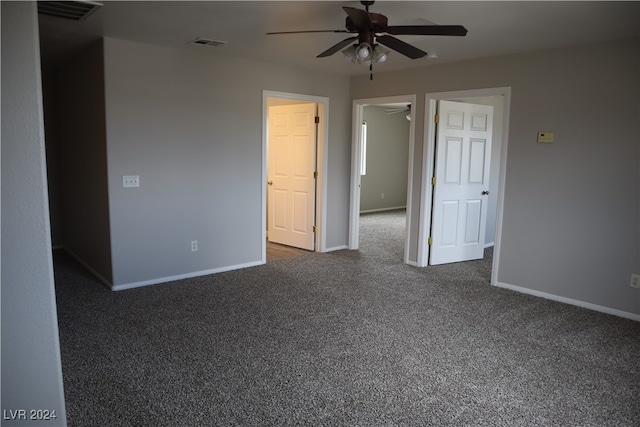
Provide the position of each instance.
(343, 338)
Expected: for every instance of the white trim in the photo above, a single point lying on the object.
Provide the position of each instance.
(183, 276)
(570, 301)
(336, 248)
(428, 155)
(383, 209)
(322, 155)
(354, 198)
(354, 202)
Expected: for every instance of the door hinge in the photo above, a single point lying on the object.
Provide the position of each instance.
(315, 228)
(317, 119)
(315, 175)
(436, 118)
(433, 180)
(430, 241)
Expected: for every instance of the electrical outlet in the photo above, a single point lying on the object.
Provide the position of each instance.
(635, 281)
(194, 246)
(129, 181)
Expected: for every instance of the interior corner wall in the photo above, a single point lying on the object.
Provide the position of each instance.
(80, 141)
(387, 160)
(189, 123)
(31, 364)
(571, 208)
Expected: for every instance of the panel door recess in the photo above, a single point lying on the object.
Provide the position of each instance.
(463, 153)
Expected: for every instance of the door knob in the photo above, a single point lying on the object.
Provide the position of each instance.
(485, 193)
(270, 182)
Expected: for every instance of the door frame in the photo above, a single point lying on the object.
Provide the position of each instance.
(354, 202)
(321, 166)
(428, 156)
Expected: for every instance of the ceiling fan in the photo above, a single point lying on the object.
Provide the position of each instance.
(406, 110)
(372, 30)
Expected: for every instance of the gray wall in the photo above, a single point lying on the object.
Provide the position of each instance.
(79, 142)
(571, 216)
(190, 124)
(31, 368)
(387, 160)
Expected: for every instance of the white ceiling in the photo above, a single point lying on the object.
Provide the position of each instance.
(495, 28)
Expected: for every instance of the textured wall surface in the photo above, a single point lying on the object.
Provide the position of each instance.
(190, 125)
(31, 370)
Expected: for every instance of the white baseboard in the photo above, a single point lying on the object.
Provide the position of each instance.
(183, 276)
(335, 248)
(571, 301)
(383, 209)
(159, 279)
(488, 245)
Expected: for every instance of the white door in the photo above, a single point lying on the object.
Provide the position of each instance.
(463, 153)
(290, 175)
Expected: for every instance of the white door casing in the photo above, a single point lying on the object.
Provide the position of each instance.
(462, 162)
(290, 174)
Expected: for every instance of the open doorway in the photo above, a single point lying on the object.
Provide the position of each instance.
(382, 163)
(499, 98)
(302, 228)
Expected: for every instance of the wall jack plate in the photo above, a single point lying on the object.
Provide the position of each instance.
(545, 137)
(130, 181)
(635, 281)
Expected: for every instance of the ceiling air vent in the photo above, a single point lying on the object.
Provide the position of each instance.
(207, 42)
(73, 10)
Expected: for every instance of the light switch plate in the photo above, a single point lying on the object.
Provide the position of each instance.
(546, 137)
(129, 181)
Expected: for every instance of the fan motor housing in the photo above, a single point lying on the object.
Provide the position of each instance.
(379, 24)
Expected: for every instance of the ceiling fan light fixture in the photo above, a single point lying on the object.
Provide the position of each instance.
(350, 53)
(364, 52)
(379, 54)
(369, 28)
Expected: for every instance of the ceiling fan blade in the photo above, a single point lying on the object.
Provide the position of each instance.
(427, 30)
(399, 110)
(399, 46)
(308, 31)
(338, 46)
(359, 17)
